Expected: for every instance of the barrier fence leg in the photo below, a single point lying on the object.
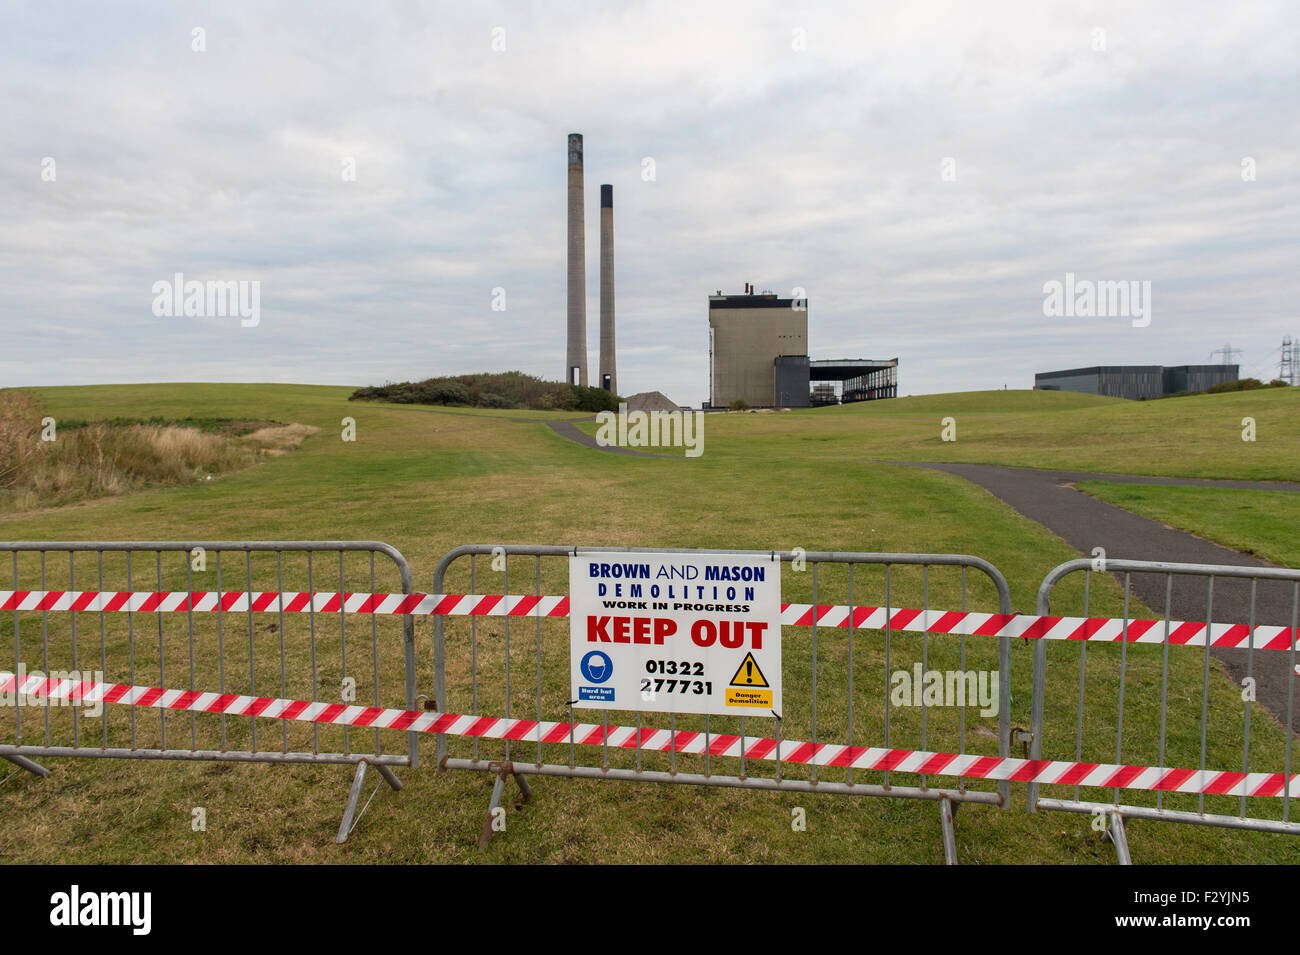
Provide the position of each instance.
(22, 762)
(502, 770)
(346, 825)
(1119, 838)
(948, 809)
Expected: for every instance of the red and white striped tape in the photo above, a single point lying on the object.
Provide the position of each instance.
(1102, 775)
(271, 601)
(1025, 626)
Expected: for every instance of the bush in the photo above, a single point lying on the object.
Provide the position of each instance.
(740, 404)
(1241, 384)
(593, 399)
(511, 389)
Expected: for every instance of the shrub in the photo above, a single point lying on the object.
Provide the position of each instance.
(1241, 384)
(510, 389)
(593, 399)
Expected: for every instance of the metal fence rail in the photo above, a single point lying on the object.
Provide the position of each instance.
(1210, 731)
(313, 656)
(837, 680)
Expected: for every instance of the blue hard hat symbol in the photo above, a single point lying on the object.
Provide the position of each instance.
(596, 667)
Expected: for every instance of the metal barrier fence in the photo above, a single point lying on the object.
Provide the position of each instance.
(1144, 679)
(229, 649)
(491, 668)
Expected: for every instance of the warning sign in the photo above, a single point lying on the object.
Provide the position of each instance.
(748, 686)
(749, 674)
(675, 632)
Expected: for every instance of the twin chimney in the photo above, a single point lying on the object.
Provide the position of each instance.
(575, 371)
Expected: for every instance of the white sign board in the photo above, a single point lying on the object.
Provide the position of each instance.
(675, 632)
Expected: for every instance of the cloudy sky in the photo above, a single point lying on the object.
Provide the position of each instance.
(921, 169)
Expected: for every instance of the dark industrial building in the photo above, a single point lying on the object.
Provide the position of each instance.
(758, 354)
(863, 379)
(1135, 382)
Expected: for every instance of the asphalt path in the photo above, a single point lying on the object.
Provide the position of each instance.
(566, 429)
(1085, 522)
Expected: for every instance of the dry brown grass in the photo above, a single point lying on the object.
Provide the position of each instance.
(275, 440)
(100, 459)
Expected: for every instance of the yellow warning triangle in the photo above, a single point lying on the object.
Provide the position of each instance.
(748, 674)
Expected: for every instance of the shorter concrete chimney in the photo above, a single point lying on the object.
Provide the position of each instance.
(608, 365)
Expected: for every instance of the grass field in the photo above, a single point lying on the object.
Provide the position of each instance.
(1196, 436)
(426, 481)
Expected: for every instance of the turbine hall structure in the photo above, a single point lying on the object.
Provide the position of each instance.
(575, 371)
(608, 372)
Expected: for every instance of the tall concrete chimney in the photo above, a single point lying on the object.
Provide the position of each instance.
(608, 372)
(575, 364)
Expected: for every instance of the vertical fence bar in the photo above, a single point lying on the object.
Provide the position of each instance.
(852, 631)
(473, 629)
(284, 678)
(130, 638)
(374, 648)
(252, 671)
(189, 630)
(815, 614)
(1290, 697)
(925, 658)
(45, 651)
(537, 591)
(221, 652)
(961, 713)
(343, 641)
(1164, 678)
(1205, 685)
(889, 614)
(1083, 678)
(72, 585)
(18, 663)
(103, 640)
(162, 664)
(311, 625)
(1123, 680)
(1250, 675)
(505, 589)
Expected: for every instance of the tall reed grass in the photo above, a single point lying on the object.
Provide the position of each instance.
(101, 458)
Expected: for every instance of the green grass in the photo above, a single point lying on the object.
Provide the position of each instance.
(1196, 436)
(1262, 523)
(426, 481)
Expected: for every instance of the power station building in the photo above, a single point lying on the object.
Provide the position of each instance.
(1136, 382)
(749, 335)
(758, 355)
